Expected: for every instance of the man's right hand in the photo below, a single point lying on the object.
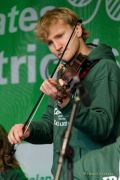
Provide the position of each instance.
(16, 134)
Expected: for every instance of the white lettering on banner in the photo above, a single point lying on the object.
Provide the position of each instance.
(30, 61)
(3, 61)
(12, 15)
(28, 17)
(15, 68)
(2, 24)
(15, 65)
(24, 20)
(31, 64)
(44, 65)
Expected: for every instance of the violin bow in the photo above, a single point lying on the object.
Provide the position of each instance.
(39, 101)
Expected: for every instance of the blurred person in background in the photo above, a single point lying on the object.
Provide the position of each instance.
(9, 166)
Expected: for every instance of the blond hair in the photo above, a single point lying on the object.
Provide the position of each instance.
(51, 17)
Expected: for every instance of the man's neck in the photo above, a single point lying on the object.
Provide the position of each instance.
(84, 49)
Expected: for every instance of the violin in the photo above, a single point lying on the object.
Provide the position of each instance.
(73, 73)
(68, 72)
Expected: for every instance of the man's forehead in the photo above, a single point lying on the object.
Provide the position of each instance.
(58, 22)
(57, 27)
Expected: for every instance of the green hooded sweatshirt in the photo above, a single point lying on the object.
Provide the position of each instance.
(103, 164)
(95, 125)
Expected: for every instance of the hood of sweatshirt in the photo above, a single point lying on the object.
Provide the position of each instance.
(101, 51)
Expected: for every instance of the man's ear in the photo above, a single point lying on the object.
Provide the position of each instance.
(79, 30)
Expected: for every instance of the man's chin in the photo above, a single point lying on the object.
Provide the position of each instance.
(65, 59)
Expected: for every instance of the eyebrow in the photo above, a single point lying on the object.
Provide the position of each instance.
(57, 35)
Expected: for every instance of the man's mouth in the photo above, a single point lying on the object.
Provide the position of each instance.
(60, 54)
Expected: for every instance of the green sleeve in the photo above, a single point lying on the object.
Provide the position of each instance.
(42, 130)
(98, 120)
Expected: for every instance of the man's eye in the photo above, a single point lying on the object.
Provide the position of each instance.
(60, 35)
(49, 43)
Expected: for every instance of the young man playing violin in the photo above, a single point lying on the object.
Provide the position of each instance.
(95, 125)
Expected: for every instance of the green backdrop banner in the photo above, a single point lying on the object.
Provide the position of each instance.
(23, 59)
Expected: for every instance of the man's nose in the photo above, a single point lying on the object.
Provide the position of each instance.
(58, 46)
